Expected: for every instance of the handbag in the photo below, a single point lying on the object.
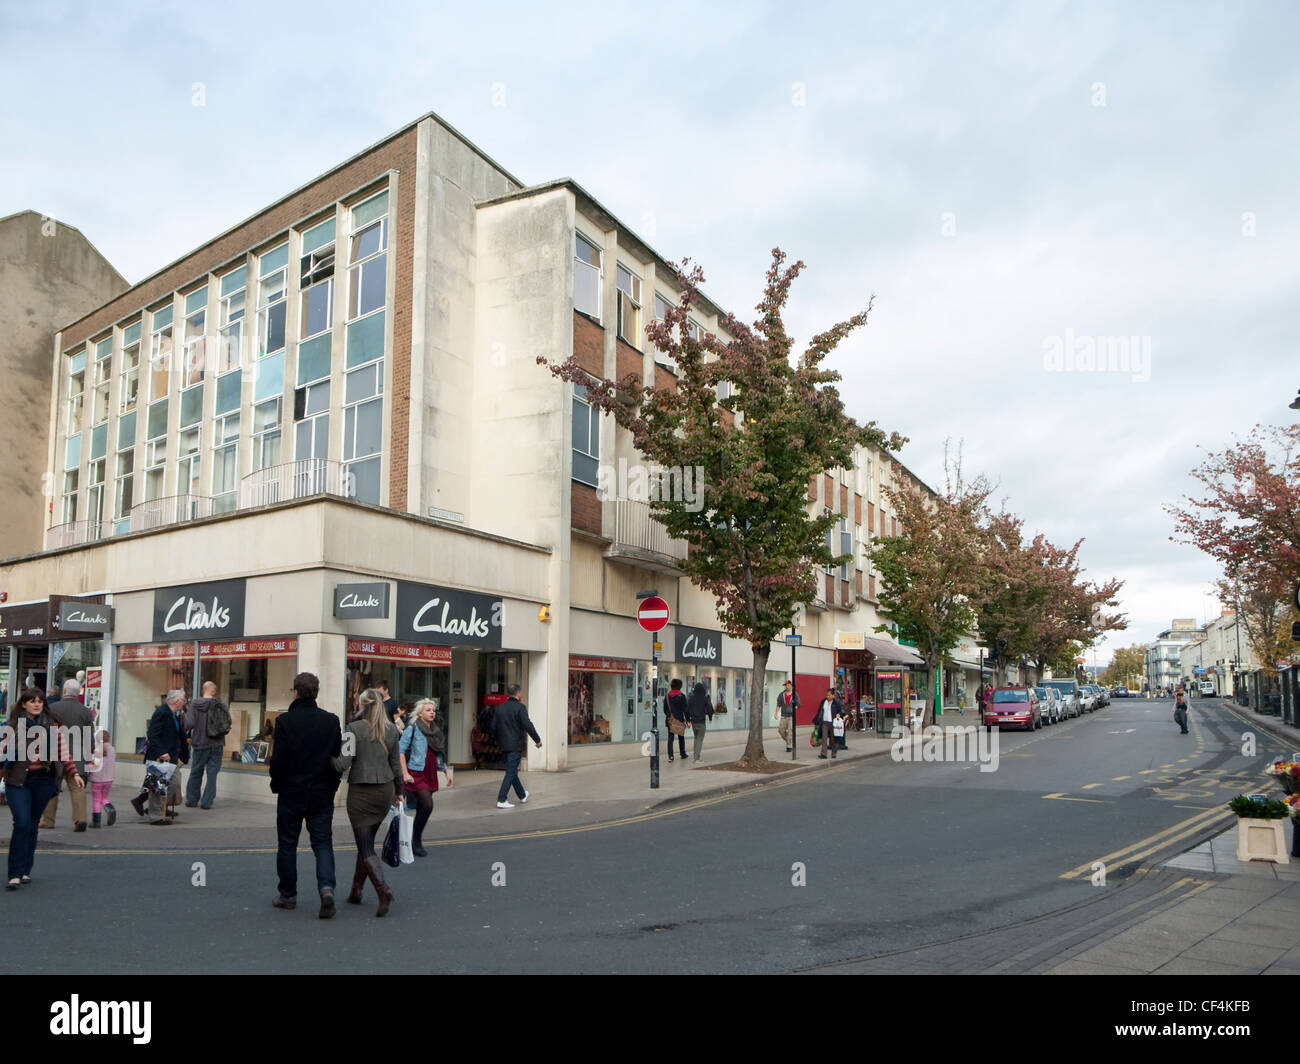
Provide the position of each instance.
(816, 738)
(405, 835)
(676, 727)
(392, 853)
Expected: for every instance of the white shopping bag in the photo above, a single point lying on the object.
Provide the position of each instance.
(405, 834)
(838, 727)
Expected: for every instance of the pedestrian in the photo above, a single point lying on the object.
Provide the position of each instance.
(676, 712)
(786, 703)
(390, 703)
(697, 708)
(979, 699)
(404, 715)
(1180, 709)
(70, 711)
(419, 746)
(512, 723)
(304, 777)
(167, 743)
(100, 774)
(827, 712)
(374, 771)
(203, 716)
(31, 777)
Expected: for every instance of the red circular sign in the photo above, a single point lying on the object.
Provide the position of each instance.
(652, 614)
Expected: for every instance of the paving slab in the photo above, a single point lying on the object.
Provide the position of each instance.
(1080, 967)
(1228, 951)
(1193, 966)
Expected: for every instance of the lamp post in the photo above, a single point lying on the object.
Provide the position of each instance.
(654, 699)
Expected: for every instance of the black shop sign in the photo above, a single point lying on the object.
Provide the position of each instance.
(199, 611)
(698, 645)
(445, 616)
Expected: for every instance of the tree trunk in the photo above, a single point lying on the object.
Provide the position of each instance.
(754, 755)
(932, 670)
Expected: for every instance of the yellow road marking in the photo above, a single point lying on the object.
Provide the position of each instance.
(1160, 838)
(1090, 786)
(1116, 779)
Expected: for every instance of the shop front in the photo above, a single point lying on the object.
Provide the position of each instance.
(879, 677)
(44, 643)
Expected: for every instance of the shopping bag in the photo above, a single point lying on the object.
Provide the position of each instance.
(816, 738)
(392, 852)
(838, 727)
(405, 835)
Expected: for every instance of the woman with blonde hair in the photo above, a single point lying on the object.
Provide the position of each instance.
(374, 771)
(420, 746)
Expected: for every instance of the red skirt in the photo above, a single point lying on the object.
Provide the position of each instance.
(426, 779)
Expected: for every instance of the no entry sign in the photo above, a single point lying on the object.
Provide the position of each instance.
(652, 614)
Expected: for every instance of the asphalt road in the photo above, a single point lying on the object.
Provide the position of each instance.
(893, 856)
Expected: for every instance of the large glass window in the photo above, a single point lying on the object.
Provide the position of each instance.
(230, 318)
(586, 277)
(368, 257)
(130, 382)
(70, 481)
(602, 697)
(316, 281)
(95, 496)
(123, 491)
(160, 353)
(586, 438)
(311, 415)
(661, 313)
(76, 391)
(363, 420)
(102, 378)
(225, 464)
(196, 317)
(629, 306)
(266, 434)
(272, 282)
(846, 548)
(187, 466)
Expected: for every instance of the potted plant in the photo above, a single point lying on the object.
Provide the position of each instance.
(1259, 828)
(1287, 773)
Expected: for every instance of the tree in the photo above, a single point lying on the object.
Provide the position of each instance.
(1128, 663)
(931, 568)
(1066, 661)
(1261, 598)
(752, 543)
(1006, 600)
(1071, 611)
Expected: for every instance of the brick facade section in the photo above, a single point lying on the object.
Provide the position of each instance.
(830, 589)
(829, 493)
(857, 582)
(844, 593)
(402, 245)
(627, 360)
(844, 500)
(812, 490)
(586, 507)
(857, 508)
(871, 518)
(665, 379)
(871, 586)
(588, 345)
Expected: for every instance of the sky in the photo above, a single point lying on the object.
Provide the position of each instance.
(1015, 184)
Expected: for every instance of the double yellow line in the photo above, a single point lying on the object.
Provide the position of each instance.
(1146, 847)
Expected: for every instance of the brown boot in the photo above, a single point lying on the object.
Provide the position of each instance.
(375, 869)
(358, 882)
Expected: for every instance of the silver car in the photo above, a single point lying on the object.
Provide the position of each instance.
(1053, 710)
(1068, 691)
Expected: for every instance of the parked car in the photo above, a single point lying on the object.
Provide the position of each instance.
(1069, 692)
(1103, 696)
(1207, 689)
(1087, 698)
(1053, 711)
(1014, 707)
(1120, 692)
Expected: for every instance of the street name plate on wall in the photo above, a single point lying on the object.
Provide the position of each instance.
(698, 645)
(199, 611)
(361, 600)
(447, 616)
(85, 617)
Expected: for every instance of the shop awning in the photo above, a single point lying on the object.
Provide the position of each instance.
(886, 650)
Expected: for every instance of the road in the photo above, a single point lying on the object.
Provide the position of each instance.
(893, 857)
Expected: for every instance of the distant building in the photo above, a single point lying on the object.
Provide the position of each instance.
(49, 275)
(1164, 653)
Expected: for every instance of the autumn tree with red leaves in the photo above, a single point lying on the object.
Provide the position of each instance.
(753, 544)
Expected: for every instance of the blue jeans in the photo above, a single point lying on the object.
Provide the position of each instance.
(512, 776)
(209, 757)
(318, 812)
(27, 803)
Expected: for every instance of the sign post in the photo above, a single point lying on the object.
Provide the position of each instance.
(652, 616)
(795, 640)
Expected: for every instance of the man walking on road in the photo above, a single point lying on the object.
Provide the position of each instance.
(696, 708)
(830, 708)
(786, 703)
(511, 723)
(205, 749)
(1180, 709)
(306, 738)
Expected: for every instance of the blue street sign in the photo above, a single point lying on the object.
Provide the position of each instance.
(794, 640)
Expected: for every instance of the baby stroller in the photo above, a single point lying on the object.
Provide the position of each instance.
(157, 778)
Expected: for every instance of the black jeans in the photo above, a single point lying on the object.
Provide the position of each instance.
(681, 740)
(318, 812)
(513, 757)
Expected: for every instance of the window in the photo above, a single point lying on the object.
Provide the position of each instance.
(196, 316)
(155, 457)
(103, 377)
(363, 421)
(160, 353)
(629, 306)
(661, 314)
(70, 478)
(316, 281)
(230, 318)
(272, 280)
(95, 496)
(187, 466)
(586, 277)
(130, 383)
(76, 391)
(368, 257)
(586, 438)
(123, 494)
(846, 548)
(266, 434)
(724, 390)
(225, 464)
(311, 415)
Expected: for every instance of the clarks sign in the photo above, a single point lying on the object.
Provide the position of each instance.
(198, 611)
(697, 644)
(84, 617)
(448, 617)
(361, 600)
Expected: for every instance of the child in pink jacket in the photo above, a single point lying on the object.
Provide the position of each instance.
(100, 770)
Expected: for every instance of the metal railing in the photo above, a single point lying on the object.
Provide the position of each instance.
(172, 510)
(627, 523)
(293, 480)
(77, 532)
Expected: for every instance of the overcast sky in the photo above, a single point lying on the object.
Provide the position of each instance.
(1013, 182)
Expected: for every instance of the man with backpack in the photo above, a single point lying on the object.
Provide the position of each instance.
(1180, 709)
(207, 719)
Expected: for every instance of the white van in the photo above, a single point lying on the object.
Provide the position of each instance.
(1207, 689)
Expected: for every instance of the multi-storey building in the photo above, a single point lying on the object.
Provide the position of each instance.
(1164, 653)
(322, 442)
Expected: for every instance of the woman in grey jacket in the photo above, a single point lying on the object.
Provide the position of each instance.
(374, 786)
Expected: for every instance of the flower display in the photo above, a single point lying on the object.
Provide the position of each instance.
(1287, 773)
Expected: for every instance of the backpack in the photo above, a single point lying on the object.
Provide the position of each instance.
(218, 720)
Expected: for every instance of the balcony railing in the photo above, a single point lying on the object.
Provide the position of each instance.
(635, 534)
(293, 480)
(76, 532)
(168, 511)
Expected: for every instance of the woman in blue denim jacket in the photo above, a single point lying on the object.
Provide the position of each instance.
(420, 746)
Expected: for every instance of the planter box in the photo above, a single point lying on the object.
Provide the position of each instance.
(1261, 840)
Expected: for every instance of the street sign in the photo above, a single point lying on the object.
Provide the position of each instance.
(1198, 671)
(652, 614)
(794, 640)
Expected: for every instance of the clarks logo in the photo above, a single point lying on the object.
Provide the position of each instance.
(693, 648)
(196, 615)
(82, 617)
(356, 602)
(475, 626)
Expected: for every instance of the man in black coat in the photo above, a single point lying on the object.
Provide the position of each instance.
(828, 709)
(166, 742)
(511, 723)
(71, 712)
(306, 739)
